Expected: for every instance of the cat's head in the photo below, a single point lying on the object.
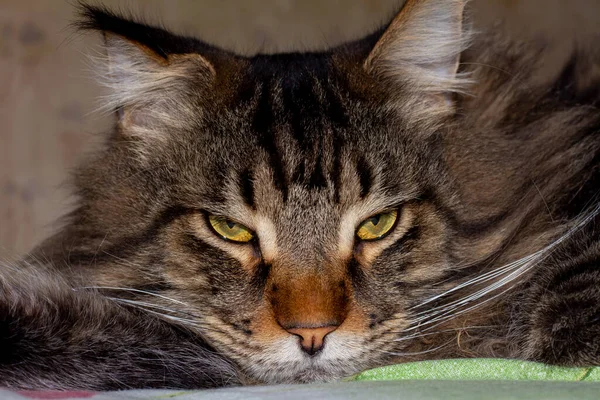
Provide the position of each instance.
(287, 205)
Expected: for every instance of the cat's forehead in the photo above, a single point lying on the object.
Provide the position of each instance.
(297, 125)
(302, 90)
(298, 134)
(304, 104)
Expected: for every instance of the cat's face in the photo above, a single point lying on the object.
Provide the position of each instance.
(287, 185)
(287, 205)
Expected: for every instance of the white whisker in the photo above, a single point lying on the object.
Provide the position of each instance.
(150, 308)
(508, 275)
(150, 305)
(173, 318)
(482, 278)
(474, 296)
(134, 291)
(450, 316)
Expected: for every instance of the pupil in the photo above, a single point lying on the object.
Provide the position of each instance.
(375, 220)
(230, 224)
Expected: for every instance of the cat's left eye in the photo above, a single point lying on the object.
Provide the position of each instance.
(230, 230)
(377, 226)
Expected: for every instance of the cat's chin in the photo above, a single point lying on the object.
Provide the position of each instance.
(312, 372)
(287, 363)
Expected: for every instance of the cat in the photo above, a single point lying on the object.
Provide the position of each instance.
(301, 217)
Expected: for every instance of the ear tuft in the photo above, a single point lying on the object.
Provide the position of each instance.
(421, 47)
(147, 70)
(137, 76)
(161, 42)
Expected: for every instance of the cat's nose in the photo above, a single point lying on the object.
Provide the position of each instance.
(312, 340)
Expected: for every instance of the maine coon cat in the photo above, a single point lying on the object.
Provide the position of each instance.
(300, 217)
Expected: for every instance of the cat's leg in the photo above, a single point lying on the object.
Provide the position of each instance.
(562, 318)
(52, 337)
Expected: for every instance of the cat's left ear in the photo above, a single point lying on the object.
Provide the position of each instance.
(420, 50)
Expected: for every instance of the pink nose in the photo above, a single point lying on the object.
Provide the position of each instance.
(312, 339)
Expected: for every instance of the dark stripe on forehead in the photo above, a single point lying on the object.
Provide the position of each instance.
(336, 112)
(262, 124)
(303, 111)
(338, 117)
(305, 107)
(247, 187)
(308, 124)
(317, 178)
(336, 169)
(365, 176)
(299, 174)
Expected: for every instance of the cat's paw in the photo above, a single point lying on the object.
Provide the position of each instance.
(565, 328)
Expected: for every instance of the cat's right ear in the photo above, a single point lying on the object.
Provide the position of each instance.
(148, 73)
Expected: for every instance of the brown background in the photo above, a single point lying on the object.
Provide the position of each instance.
(48, 96)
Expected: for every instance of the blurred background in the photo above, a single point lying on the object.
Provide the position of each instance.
(48, 96)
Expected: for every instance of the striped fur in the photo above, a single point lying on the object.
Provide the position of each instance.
(494, 253)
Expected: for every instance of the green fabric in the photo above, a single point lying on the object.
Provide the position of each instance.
(374, 390)
(479, 369)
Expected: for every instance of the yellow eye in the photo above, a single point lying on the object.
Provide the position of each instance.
(230, 230)
(377, 226)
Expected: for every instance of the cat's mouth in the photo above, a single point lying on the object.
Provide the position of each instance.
(268, 353)
(285, 362)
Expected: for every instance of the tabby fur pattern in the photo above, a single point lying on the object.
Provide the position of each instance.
(494, 173)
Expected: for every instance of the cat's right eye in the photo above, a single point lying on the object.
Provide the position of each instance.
(230, 230)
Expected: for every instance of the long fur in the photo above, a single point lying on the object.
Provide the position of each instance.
(494, 252)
